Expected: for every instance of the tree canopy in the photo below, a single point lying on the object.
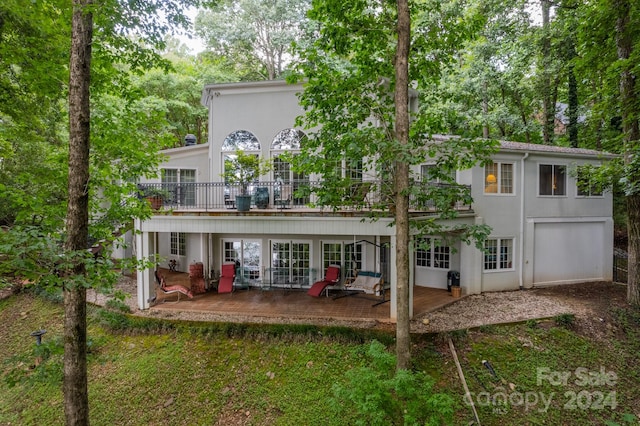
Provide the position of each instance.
(254, 35)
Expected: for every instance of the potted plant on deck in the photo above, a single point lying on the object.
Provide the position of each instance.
(155, 196)
(242, 170)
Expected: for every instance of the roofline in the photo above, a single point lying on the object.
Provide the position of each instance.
(508, 146)
(269, 86)
(250, 85)
(519, 147)
(185, 148)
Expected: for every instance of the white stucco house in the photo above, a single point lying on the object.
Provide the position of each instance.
(545, 230)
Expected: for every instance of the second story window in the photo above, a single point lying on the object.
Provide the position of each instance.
(587, 185)
(432, 174)
(498, 178)
(552, 179)
(180, 185)
(287, 180)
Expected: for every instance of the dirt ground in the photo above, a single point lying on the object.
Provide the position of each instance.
(590, 302)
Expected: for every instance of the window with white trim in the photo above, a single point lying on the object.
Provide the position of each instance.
(432, 174)
(178, 244)
(331, 254)
(498, 254)
(552, 179)
(498, 178)
(432, 253)
(350, 256)
(586, 184)
(290, 262)
(247, 255)
(288, 180)
(180, 185)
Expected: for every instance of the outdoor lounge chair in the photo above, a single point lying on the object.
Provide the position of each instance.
(331, 277)
(228, 274)
(171, 289)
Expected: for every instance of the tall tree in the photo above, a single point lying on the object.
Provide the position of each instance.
(256, 35)
(403, 336)
(76, 397)
(357, 73)
(179, 92)
(79, 188)
(547, 87)
(489, 91)
(629, 109)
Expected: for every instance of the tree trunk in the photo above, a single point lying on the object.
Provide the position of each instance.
(573, 108)
(76, 402)
(403, 336)
(485, 111)
(548, 107)
(631, 135)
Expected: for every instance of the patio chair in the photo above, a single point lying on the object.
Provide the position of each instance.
(283, 201)
(228, 274)
(359, 193)
(331, 277)
(230, 197)
(171, 289)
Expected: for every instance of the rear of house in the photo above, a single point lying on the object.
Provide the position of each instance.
(545, 228)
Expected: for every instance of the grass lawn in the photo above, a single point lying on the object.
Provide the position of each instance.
(149, 372)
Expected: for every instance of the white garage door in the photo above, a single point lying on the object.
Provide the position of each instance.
(568, 252)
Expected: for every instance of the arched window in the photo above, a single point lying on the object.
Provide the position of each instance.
(241, 139)
(288, 140)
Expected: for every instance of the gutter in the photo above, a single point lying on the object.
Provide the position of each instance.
(521, 238)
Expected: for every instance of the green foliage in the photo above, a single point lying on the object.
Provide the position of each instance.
(243, 169)
(382, 396)
(193, 373)
(491, 85)
(565, 320)
(253, 36)
(627, 419)
(349, 78)
(43, 364)
(176, 98)
(118, 305)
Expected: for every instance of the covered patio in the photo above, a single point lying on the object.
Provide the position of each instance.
(296, 303)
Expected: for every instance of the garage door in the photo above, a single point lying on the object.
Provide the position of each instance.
(568, 252)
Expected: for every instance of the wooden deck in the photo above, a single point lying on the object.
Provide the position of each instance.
(290, 303)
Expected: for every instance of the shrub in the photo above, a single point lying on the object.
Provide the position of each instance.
(380, 395)
(565, 320)
(118, 305)
(531, 323)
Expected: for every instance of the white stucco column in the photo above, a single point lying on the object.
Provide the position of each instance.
(144, 245)
(471, 264)
(411, 278)
(393, 279)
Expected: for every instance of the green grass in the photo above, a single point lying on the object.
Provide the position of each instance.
(146, 371)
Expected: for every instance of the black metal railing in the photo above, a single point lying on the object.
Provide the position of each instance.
(620, 266)
(209, 196)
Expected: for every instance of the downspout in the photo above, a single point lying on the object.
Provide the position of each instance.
(521, 237)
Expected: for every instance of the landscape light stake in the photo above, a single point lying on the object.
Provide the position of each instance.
(38, 335)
